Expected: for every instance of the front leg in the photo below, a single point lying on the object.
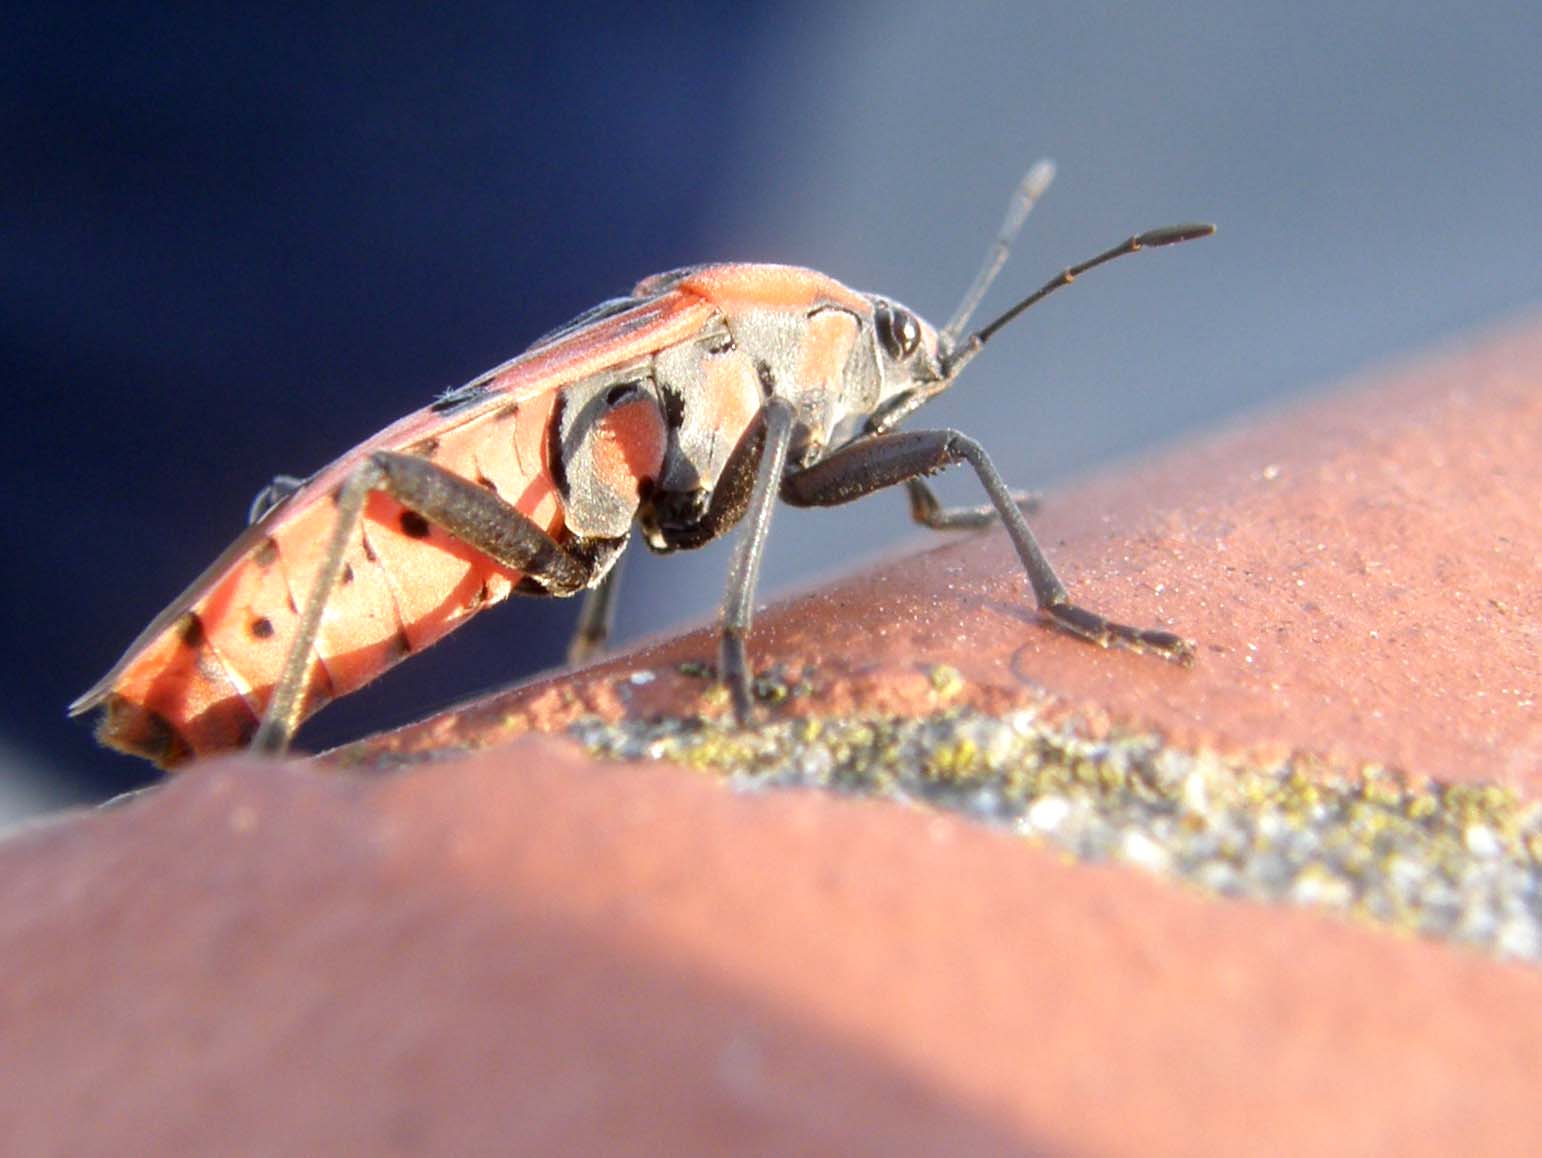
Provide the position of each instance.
(925, 507)
(885, 460)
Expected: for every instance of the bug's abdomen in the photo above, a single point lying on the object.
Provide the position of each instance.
(204, 682)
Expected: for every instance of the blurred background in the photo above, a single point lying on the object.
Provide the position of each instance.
(233, 245)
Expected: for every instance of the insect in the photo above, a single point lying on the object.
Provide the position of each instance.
(684, 409)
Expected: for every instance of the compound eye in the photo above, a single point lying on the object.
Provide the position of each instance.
(898, 330)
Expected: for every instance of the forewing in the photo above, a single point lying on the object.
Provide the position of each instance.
(592, 342)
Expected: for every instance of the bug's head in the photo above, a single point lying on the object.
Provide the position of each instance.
(911, 352)
(919, 362)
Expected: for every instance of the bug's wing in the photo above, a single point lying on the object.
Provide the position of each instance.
(586, 346)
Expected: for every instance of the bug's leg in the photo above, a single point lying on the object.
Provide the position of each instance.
(596, 618)
(471, 513)
(282, 486)
(888, 459)
(739, 599)
(927, 509)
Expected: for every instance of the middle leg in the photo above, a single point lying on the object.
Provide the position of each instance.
(596, 617)
(886, 460)
(927, 509)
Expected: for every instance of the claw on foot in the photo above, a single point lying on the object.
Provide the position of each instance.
(1096, 629)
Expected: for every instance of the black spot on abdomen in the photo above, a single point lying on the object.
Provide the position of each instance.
(192, 630)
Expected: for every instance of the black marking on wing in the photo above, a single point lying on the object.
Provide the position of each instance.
(461, 396)
(606, 309)
(661, 283)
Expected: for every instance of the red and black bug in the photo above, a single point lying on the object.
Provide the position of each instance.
(685, 409)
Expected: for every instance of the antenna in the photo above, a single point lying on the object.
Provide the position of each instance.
(1151, 239)
(1028, 192)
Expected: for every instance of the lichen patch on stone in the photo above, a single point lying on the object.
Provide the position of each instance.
(1457, 862)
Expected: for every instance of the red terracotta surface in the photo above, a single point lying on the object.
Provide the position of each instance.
(522, 952)
(518, 950)
(1360, 572)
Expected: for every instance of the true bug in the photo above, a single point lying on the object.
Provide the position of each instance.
(685, 408)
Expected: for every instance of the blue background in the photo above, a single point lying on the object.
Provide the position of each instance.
(233, 245)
